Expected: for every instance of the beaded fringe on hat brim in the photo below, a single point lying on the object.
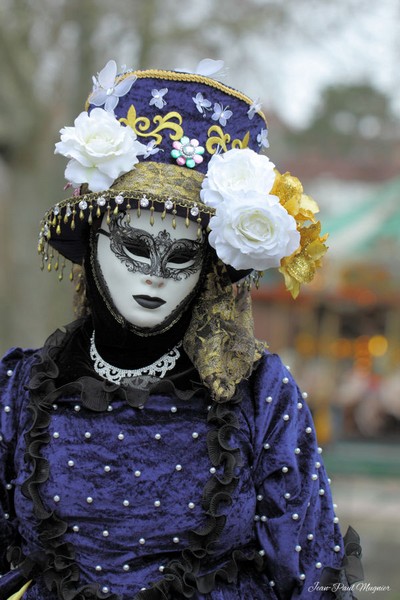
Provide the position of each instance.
(154, 187)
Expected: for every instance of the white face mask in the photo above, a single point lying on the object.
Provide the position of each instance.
(150, 270)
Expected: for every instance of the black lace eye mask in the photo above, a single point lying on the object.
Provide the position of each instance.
(158, 255)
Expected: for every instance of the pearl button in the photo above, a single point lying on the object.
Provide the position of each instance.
(285, 380)
(138, 473)
(297, 450)
(261, 552)
(71, 463)
(286, 417)
(302, 577)
(191, 505)
(319, 450)
(195, 435)
(317, 465)
(55, 406)
(126, 503)
(321, 492)
(213, 470)
(298, 548)
(7, 409)
(126, 567)
(285, 469)
(272, 583)
(75, 528)
(6, 516)
(89, 500)
(105, 589)
(268, 399)
(305, 395)
(77, 408)
(98, 568)
(336, 520)
(295, 516)
(8, 486)
(107, 468)
(157, 436)
(109, 408)
(56, 498)
(287, 496)
(256, 518)
(88, 435)
(120, 436)
(337, 548)
(161, 568)
(260, 497)
(178, 468)
(314, 477)
(56, 435)
(106, 533)
(310, 536)
(299, 405)
(142, 541)
(9, 373)
(173, 409)
(308, 430)
(175, 540)
(267, 446)
(264, 519)
(318, 565)
(157, 503)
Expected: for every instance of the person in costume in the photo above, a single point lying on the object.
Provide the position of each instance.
(154, 448)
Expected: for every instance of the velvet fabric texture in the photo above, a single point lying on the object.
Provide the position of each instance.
(147, 493)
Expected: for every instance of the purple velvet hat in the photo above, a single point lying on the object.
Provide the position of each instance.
(187, 145)
(179, 120)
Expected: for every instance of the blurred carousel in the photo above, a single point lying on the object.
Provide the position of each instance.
(341, 336)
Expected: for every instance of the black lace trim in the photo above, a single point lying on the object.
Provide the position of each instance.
(181, 578)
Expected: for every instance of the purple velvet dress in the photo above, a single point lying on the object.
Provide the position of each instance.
(130, 494)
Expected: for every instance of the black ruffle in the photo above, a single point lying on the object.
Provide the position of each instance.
(181, 578)
(351, 571)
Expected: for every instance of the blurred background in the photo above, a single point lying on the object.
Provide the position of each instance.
(328, 79)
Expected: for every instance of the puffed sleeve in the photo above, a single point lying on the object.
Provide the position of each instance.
(297, 528)
(11, 381)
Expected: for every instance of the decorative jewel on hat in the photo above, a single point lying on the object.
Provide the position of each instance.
(187, 152)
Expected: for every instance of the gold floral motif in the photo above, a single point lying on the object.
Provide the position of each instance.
(141, 125)
(300, 267)
(221, 140)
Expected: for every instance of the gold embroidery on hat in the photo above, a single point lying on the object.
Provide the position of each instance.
(221, 140)
(141, 125)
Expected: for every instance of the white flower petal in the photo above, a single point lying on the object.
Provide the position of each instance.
(125, 85)
(254, 233)
(111, 103)
(100, 147)
(107, 75)
(98, 97)
(209, 66)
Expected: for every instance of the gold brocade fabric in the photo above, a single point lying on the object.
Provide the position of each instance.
(220, 339)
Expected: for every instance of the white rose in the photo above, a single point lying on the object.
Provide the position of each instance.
(100, 149)
(254, 233)
(235, 174)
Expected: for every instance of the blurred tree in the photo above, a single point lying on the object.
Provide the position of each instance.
(356, 120)
(48, 51)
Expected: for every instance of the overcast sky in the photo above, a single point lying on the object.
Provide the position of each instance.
(354, 47)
